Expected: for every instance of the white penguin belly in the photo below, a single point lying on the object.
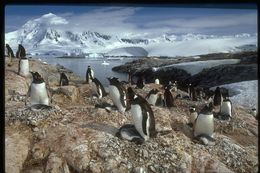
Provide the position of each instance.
(226, 108)
(24, 67)
(39, 94)
(204, 125)
(193, 117)
(136, 112)
(115, 96)
(157, 81)
(152, 99)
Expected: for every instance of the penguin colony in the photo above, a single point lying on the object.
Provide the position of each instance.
(143, 127)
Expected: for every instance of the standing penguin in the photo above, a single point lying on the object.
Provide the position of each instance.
(118, 94)
(98, 88)
(218, 98)
(226, 108)
(157, 81)
(193, 115)
(10, 53)
(204, 123)
(168, 98)
(152, 96)
(143, 117)
(63, 79)
(20, 52)
(23, 68)
(89, 75)
(38, 92)
(140, 81)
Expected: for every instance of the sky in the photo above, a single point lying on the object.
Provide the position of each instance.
(142, 20)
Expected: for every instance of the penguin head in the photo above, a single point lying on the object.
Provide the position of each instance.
(37, 78)
(113, 80)
(192, 109)
(154, 91)
(207, 109)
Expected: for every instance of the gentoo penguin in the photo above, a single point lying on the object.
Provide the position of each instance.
(193, 115)
(38, 92)
(10, 52)
(63, 79)
(23, 68)
(168, 98)
(98, 88)
(218, 98)
(156, 81)
(152, 96)
(160, 100)
(173, 86)
(20, 52)
(129, 132)
(129, 78)
(89, 75)
(204, 123)
(226, 109)
(254, 113)
(143, 117)
(140, 82)
(118, 94)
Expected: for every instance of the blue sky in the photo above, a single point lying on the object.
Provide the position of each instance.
(232, 19)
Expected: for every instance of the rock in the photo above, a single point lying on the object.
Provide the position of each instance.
(56, 165)
(65, 94)
(139, 170)
(39, 151)
(16, 151)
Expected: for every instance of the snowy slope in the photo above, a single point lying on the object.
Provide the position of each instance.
(51, 34)
(246, 93)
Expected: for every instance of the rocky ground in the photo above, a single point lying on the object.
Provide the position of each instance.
(77, 136)
(219, 75)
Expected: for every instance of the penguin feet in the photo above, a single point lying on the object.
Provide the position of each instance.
(205, 139)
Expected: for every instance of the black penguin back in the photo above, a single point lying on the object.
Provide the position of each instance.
(98, 84)
(217, 97)
(63, 79)
(169, 101)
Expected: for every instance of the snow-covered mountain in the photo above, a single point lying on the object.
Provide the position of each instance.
(51, 34)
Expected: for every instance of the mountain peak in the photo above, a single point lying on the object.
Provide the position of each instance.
(49, 15)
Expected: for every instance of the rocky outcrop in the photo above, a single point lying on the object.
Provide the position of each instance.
(76, 134)
(245, 70)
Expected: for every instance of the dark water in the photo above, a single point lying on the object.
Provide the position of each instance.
(79, 67)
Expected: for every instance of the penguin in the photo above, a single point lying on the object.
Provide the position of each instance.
(10, 52)
(63, 79)
(129, 132)
(156, 81)
(23, 68)
(152, 96)
(254, 113)
(204, 124)
(226, 109)
(218, 98)
(38, 92)
(118, 94)
(20, 52)
(193, 115)
(140, 82)
(160, 100)
(143, 117)
(168, 98)
(89, 75)
(98, 88)
(129, 78)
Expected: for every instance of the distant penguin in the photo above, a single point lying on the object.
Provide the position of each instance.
(193, 115)
(156, 81)
(168, 98)
(20, 52)
(254, 113)
(23, 68)
(218, 98)
(10, 52)
(143, 117)
(98, 88)
(38, 92)
(152, 96)
(204, 123)
(160, 100)
(89, 75)
(118, 94)
(129, 78)
(226, 109)
(63, 79)
(140, 82)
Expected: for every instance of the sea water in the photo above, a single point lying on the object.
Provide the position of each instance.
(79, 67)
